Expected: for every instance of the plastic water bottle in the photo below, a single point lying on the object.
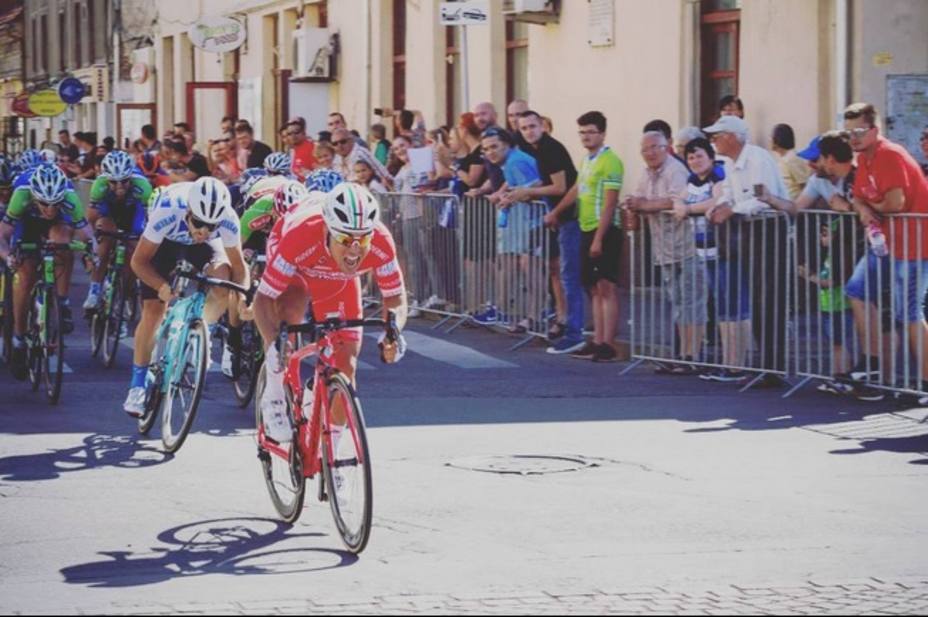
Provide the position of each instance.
(877, 240)
(502, 218)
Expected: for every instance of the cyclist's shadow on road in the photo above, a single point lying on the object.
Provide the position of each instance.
(237, 546)
(97, 451)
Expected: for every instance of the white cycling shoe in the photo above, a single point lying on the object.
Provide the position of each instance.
(274, 411)
(227, 362)
(135, 402)
(92, 301)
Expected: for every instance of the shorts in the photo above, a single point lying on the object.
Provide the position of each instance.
(31, 229)
(910, 283)
(169, 253)
(684, 284)
(870, 280)
(129, 218)
(554, 244)
(732, 291)
(521, 235)
(604, 267)
(838, 326)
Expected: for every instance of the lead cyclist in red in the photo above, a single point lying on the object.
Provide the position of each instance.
(319, 258)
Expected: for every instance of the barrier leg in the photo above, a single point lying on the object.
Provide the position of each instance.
(797, 387)
(631, 367)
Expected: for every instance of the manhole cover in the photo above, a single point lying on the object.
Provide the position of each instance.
(523, 464)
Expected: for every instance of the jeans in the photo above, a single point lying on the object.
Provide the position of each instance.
(569, 241)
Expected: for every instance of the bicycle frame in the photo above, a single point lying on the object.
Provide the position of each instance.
(183, 311)
(48, 276)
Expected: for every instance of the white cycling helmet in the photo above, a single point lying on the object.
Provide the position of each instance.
(277, 163)
(48, 184)
(117, 165)
(288, 195)
(209, 199)
(49, 156)
(350, 208)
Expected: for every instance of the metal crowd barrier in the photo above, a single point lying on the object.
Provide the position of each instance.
(707, 296)
(461, 259)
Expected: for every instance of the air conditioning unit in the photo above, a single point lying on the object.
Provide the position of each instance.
(315, 54)
(532, 11)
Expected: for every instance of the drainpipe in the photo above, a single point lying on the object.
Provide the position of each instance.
(842, 57)
(366, 114)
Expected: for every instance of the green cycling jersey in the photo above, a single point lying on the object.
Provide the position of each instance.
(258, 217)
(22, 202)
(140, 190)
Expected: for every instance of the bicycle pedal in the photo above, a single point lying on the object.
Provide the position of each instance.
(264, 456)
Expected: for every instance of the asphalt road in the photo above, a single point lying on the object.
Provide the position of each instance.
(504, 482)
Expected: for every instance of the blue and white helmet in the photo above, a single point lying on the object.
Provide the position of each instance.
(250, 177)
(350, 208)
(30, 158)
(117, 165)
(49, 156)
(209, 199)
(323, 180)
(48, 184)
(277, 163)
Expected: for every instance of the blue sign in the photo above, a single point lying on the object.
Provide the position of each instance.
(71, 90)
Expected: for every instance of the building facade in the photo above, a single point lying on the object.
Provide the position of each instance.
(12, 127)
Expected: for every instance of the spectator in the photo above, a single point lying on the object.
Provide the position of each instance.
(547, 124)
(186, 166)
(663, 186)
(227, 125)
(793, 169)
(662, 127)
(364, 175)
(596, 193)
(823, 190)
(109, 143)
(150, 165)
(181, 129)
(348, 152)
(731, 105)
(685, 136)
(283, 135)
(85, 142)
(889, 182)
(149, 142)
(513, 111)
(99, 153)
(492, 179)
(337, 121)
(558, 176)
(251, 153)
(323, 137)
(66, 146)
(325, 155)
(408, 221)
(516, 235)
(381, 143)
(924, 145)
(224, 166)
(470, 163)
(411, 125)
(442, 158)
(66, 164)
(753, 185)
(301, 150)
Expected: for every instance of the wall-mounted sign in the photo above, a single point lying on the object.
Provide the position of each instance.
(20, 106)
(46, 103)
(217, 34)
(71, 90)
(601, 25)
(468, 13)
(139, 74)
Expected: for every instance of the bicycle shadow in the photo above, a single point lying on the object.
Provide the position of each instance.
(97, 451)
(232, 546)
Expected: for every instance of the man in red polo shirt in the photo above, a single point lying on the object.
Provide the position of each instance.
(889, 182)
(303, 149)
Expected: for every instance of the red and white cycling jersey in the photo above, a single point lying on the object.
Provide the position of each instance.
(298, 254)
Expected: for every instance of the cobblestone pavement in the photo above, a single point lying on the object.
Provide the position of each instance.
(870, 596)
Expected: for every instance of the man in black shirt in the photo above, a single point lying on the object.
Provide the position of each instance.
(187, 166)
(558, 175)
(250, 151)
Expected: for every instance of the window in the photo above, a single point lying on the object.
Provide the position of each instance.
(62, 48)
(399, 54)
(720, 35)
(92, 31)
(454, 76)
(43, 37)
(76, 37)
(516, 61)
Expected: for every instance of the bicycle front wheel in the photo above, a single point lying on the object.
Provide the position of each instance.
(346, 467)
(185, 380)
(250, 364)
(34, 339)
(53, 349)
(115, 320)
(154, 390)
(283, 477)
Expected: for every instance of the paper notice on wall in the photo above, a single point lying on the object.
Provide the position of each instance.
(601, 30)
(249, 103)
(422, 160)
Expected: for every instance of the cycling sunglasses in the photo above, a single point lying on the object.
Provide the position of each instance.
(347, 240)
(125, 182)
(198, 224)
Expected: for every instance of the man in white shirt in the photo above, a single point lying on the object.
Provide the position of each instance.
(753, 188)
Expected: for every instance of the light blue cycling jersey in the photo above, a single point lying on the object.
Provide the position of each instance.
(167, 219)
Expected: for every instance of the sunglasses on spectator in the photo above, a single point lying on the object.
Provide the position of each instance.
(347, 240)
(858, 133)
(198, 224)
(341, 142)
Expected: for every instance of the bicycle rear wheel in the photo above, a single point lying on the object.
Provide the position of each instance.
(154, 390)
(96, 332)
(115, 318)
(6, 306)
(347, 468)
(249, 365)
(53, 349)
(184, 387)
(284, 478)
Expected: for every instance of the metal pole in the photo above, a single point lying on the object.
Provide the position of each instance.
(465, 77)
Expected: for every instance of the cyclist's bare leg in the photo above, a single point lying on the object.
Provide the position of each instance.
(23, 283)
(64, 263)
(152, 314)
(104, 248)
(217, 301)
(345, 358)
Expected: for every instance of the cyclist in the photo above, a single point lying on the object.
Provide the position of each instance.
(322, 257)
(7, 175)
(192, 221)
(323, 180)
(257, 223)
(118, 200)
(47, 207)
(278, 164)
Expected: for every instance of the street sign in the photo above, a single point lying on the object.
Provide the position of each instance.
(20, 106)
(71, 90)
(468, 13)
(217, 34)
(46, 103)
(139, 74)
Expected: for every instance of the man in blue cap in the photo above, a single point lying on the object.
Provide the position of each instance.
(823, 190)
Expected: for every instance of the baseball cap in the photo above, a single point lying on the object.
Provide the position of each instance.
(811, 152)
(728, 124)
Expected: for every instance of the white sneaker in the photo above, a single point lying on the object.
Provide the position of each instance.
(414, 309)
(434, 302)
(135, 402)
(274, 410)
(227, 361)
(92, 301)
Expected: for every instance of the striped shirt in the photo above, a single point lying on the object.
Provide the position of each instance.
(345, 164)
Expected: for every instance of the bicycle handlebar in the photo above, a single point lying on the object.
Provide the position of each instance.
(315, 328)
(53, 247)
(117, 235)
(202, 279)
